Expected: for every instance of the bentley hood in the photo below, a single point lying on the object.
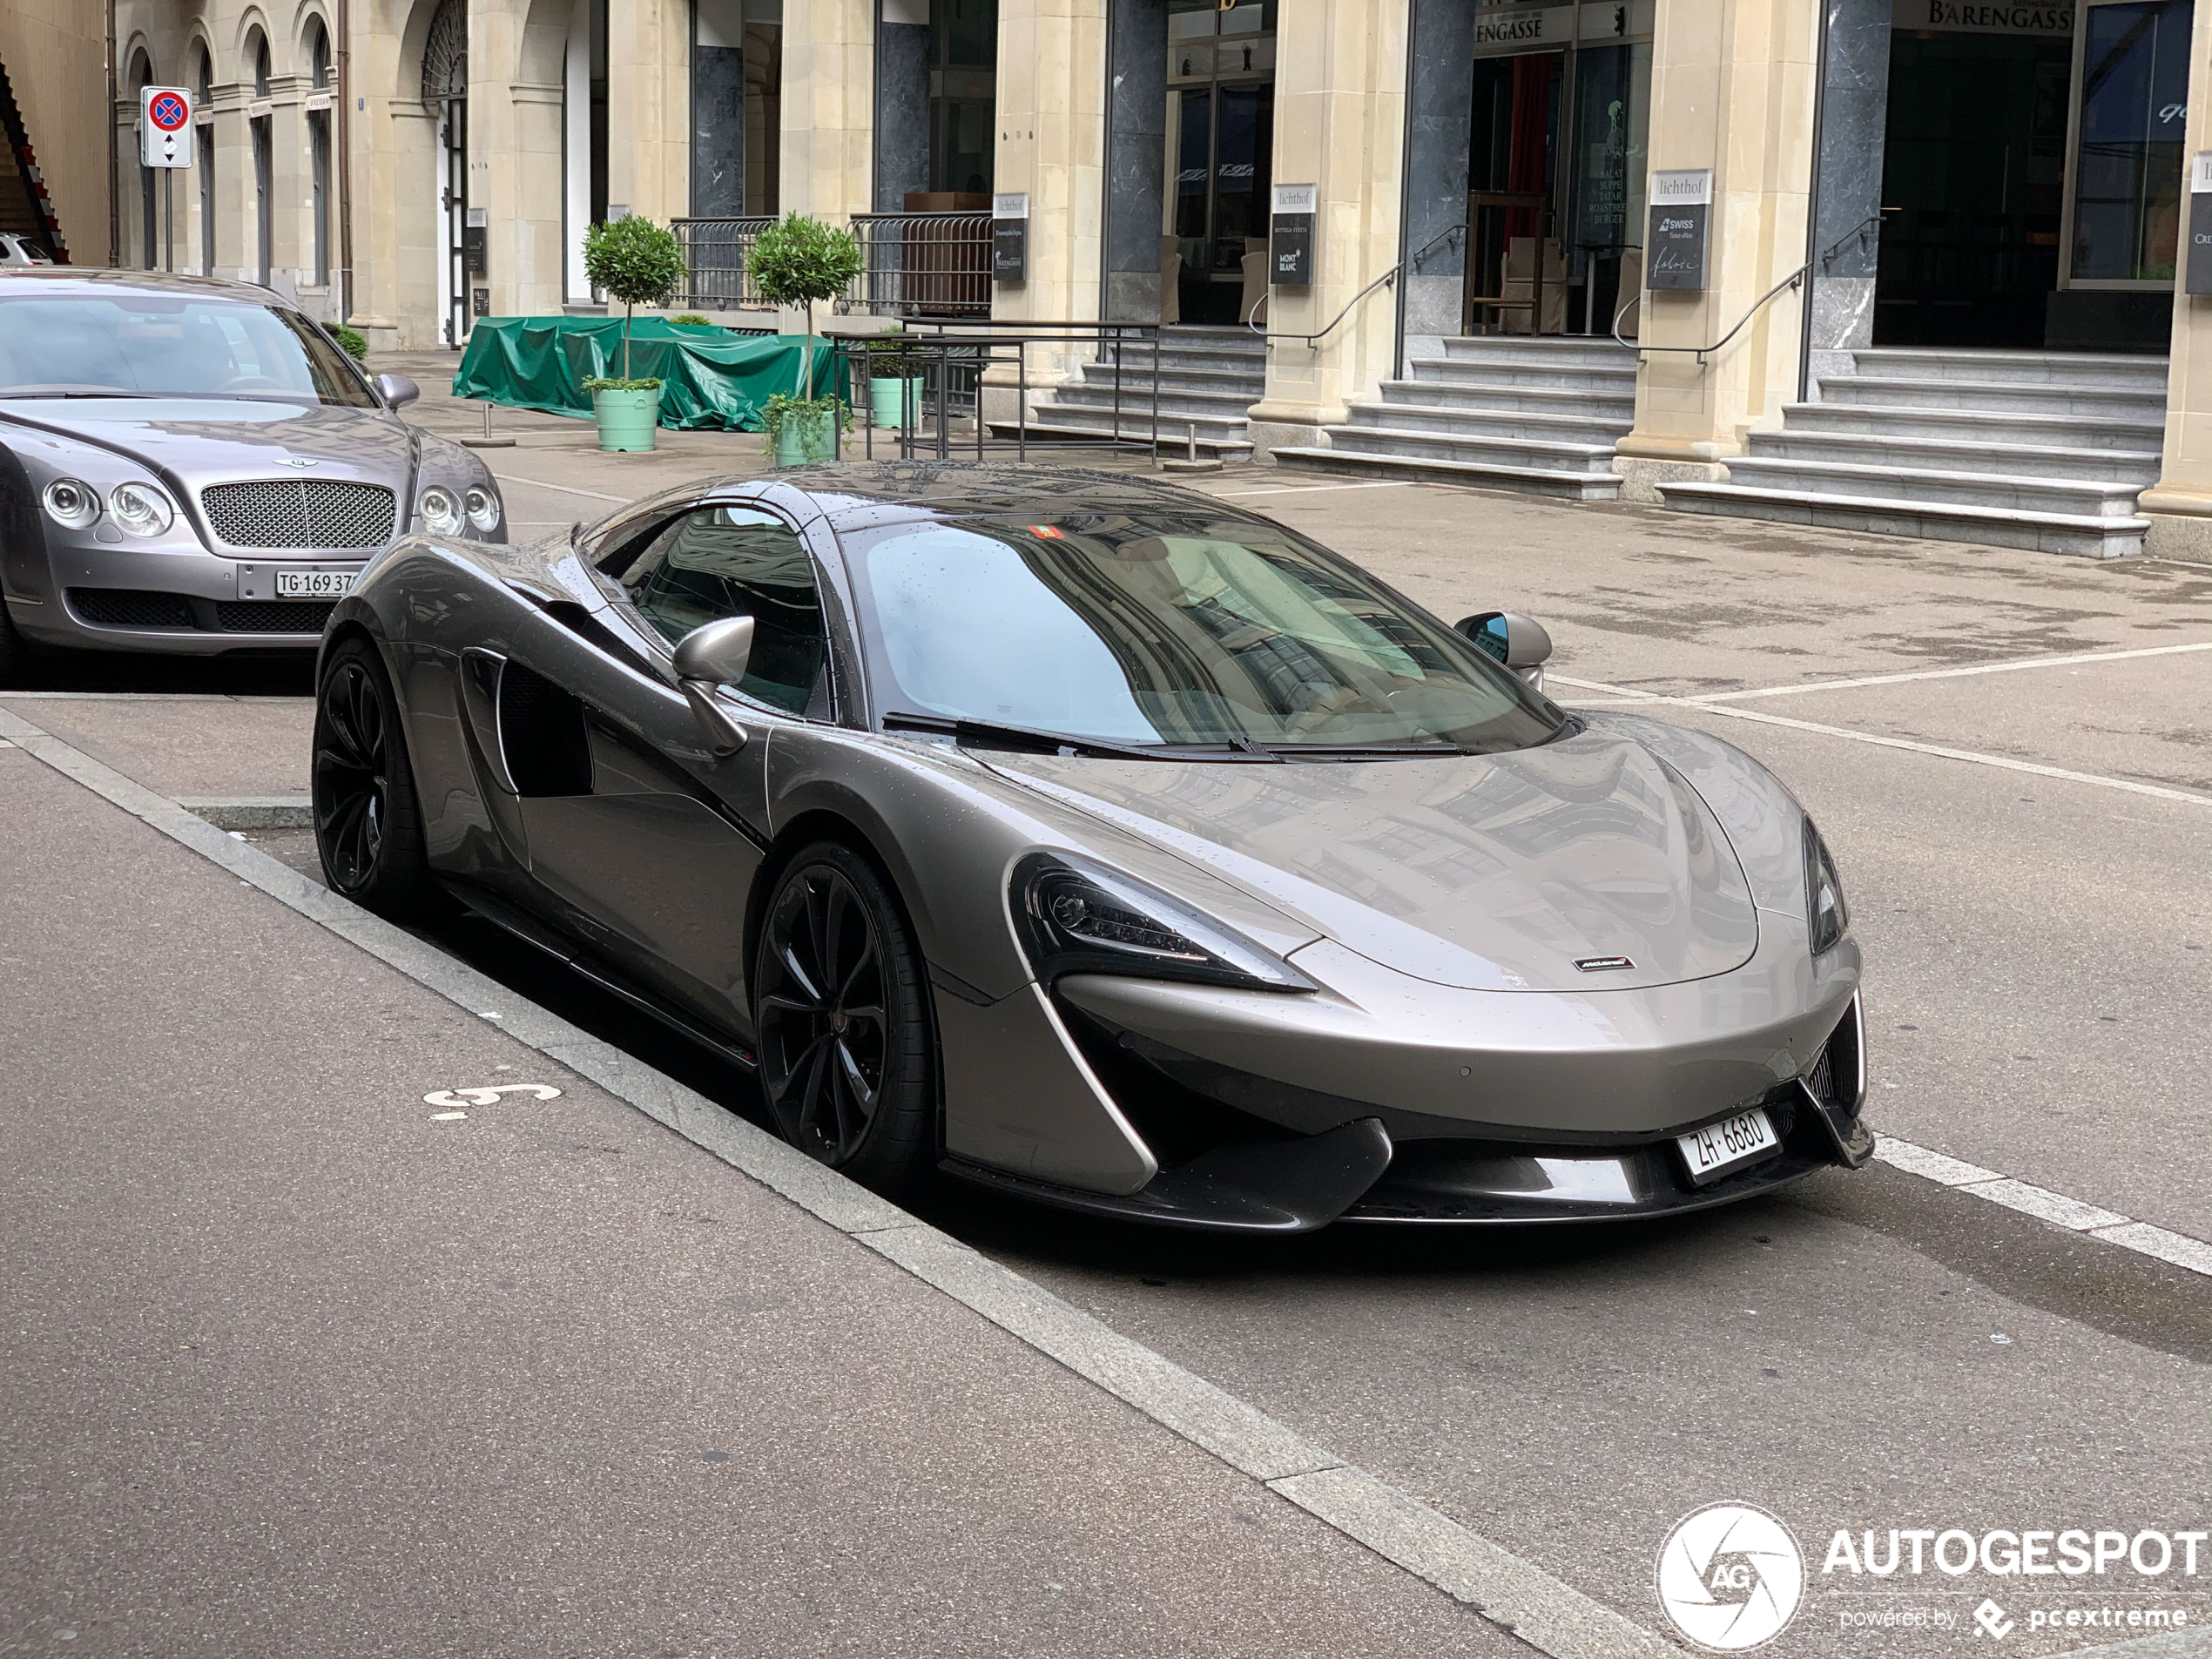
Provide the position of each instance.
(208, 440)
(1586, 865)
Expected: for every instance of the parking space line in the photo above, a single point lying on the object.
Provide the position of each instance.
(2177, 1250)
(2035, 768)
(1506, 1589)
(1953, 673)
(565, 490)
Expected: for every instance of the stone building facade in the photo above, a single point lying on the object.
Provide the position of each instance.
(1754, 193)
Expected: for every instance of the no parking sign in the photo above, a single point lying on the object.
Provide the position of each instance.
(165, 127)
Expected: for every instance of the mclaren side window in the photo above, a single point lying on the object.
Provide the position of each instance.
(737, 561)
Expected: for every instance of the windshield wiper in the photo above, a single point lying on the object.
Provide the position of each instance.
(27, 397)
(1032, 739)
(1367, 751)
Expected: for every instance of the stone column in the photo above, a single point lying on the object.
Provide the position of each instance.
(828, 108)
(902, 102)
(1436, 145)
(1136, 161)
(649, 106)
(1854, 124)
(2180, 505)
(1340, 126)
(1052, 144)
(1731, 91)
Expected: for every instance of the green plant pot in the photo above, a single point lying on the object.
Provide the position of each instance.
(627, 420)
(888, 399)
(801, 441)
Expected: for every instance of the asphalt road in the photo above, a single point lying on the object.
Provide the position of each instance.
(1869, 1352)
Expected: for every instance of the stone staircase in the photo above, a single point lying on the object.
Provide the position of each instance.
(1209, 378)
(1502, 411)
(2047, 450)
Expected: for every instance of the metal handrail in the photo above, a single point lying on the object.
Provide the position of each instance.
(1793, 280)
(1872, 222)
(1386, 279)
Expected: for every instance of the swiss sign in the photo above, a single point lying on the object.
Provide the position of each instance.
(165, 127)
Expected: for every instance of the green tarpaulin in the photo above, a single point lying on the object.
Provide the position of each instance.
(710, 378)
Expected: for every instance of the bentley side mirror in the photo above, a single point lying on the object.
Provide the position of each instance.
(396, 390)
(714, 654)
(1518, 642)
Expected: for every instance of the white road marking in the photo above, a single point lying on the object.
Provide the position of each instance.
(489, 1096)
(2073, 1214)
(1952, 674)
(566, 489)
(1506, 1590)
(1628, 698)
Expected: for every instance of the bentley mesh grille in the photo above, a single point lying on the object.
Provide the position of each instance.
(270, 616)
(301, 513)
(129, 608)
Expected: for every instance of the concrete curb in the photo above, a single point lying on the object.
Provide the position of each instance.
(255, 813)
(1513, 1593)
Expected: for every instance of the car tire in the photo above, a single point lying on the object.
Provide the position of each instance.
(15, 653)
(840, 997)
(368, 824)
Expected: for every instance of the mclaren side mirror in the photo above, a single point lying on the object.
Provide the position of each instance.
(1518, 642)
(715, 654)
(396, 390)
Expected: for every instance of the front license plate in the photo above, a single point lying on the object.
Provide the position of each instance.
(313, 584)
(1712, 1152)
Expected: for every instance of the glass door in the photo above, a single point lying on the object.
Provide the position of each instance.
(1517, 262)
(2124, 190)
(1224, 110)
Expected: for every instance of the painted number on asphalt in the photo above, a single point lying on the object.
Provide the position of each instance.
(488, 1095)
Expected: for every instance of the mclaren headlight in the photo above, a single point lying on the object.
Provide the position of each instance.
(1078, 917)
(1827, 917)
(441, 509)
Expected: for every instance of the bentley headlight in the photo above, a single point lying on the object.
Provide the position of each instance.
(72, 504)
(1077, 917)
(1827, 917)
(441, 509)
(141, 509)
(484, 508)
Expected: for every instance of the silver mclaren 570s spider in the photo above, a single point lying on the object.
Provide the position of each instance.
(1106, 844)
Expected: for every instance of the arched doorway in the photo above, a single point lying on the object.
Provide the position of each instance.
(445, 93)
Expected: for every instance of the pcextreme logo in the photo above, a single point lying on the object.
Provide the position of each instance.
(1731, 1577)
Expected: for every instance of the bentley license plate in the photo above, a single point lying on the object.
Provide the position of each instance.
(313, 584)
(1714, 1151)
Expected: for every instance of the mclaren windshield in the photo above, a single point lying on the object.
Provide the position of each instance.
(1165, 630)
(168, 345)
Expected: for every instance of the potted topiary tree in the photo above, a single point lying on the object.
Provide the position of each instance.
(801, 262)
(641, 264)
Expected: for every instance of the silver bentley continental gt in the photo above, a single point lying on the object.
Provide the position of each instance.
(1105, 844)
(191, 467)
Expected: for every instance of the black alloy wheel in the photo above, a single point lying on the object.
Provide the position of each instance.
(368, 829)
(848, 1059)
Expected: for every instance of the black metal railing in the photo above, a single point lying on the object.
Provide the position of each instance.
(945, 375)
(921, 265)
(714, 263)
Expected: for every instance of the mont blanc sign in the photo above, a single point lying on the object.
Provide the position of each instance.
(1999, 17)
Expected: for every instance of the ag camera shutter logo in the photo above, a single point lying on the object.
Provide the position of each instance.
(1731, 1577)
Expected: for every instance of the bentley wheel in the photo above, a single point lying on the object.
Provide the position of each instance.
(15, 655)
(369, 828)
(847, 1057)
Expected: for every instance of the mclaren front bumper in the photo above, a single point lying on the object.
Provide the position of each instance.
(1384, 1098)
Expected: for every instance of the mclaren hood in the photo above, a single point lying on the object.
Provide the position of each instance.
(1587, 865)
